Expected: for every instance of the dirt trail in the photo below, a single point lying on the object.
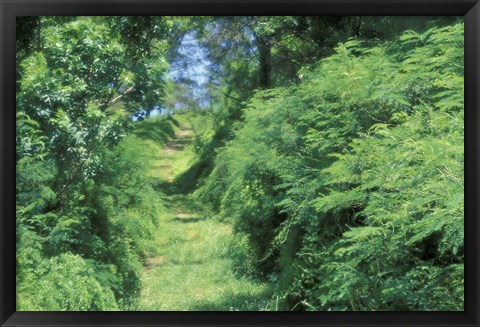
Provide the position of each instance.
(178, 143)
(193, 269)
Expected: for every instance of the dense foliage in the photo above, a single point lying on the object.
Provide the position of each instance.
(349, 186)
(332, 145)
(85, 212)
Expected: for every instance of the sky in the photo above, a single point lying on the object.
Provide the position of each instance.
(197, 67)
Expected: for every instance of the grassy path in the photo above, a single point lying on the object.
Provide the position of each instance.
(192, 269)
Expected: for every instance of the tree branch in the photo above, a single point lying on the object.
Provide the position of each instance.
(228, 95)
(115, 100)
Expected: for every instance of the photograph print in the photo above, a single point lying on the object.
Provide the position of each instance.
(240, 163)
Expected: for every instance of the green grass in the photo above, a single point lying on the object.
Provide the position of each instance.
(192, 268)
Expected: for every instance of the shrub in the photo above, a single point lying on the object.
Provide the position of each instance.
(349, 185)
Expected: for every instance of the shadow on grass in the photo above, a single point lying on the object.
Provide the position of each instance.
(165, 187)
(188, 181)
(157, 129)
(181, 202)
(180, 143)
(185, 183)
(188, 220)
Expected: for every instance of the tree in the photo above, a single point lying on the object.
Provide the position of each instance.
(349, 185)
(68, 76)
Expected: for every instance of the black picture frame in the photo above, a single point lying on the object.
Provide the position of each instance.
(9, 10)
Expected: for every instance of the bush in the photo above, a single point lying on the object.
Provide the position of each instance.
(349, 186)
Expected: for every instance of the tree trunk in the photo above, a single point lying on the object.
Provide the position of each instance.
(357, 32)
(39, 35)
(148, 112)
(265, 51)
